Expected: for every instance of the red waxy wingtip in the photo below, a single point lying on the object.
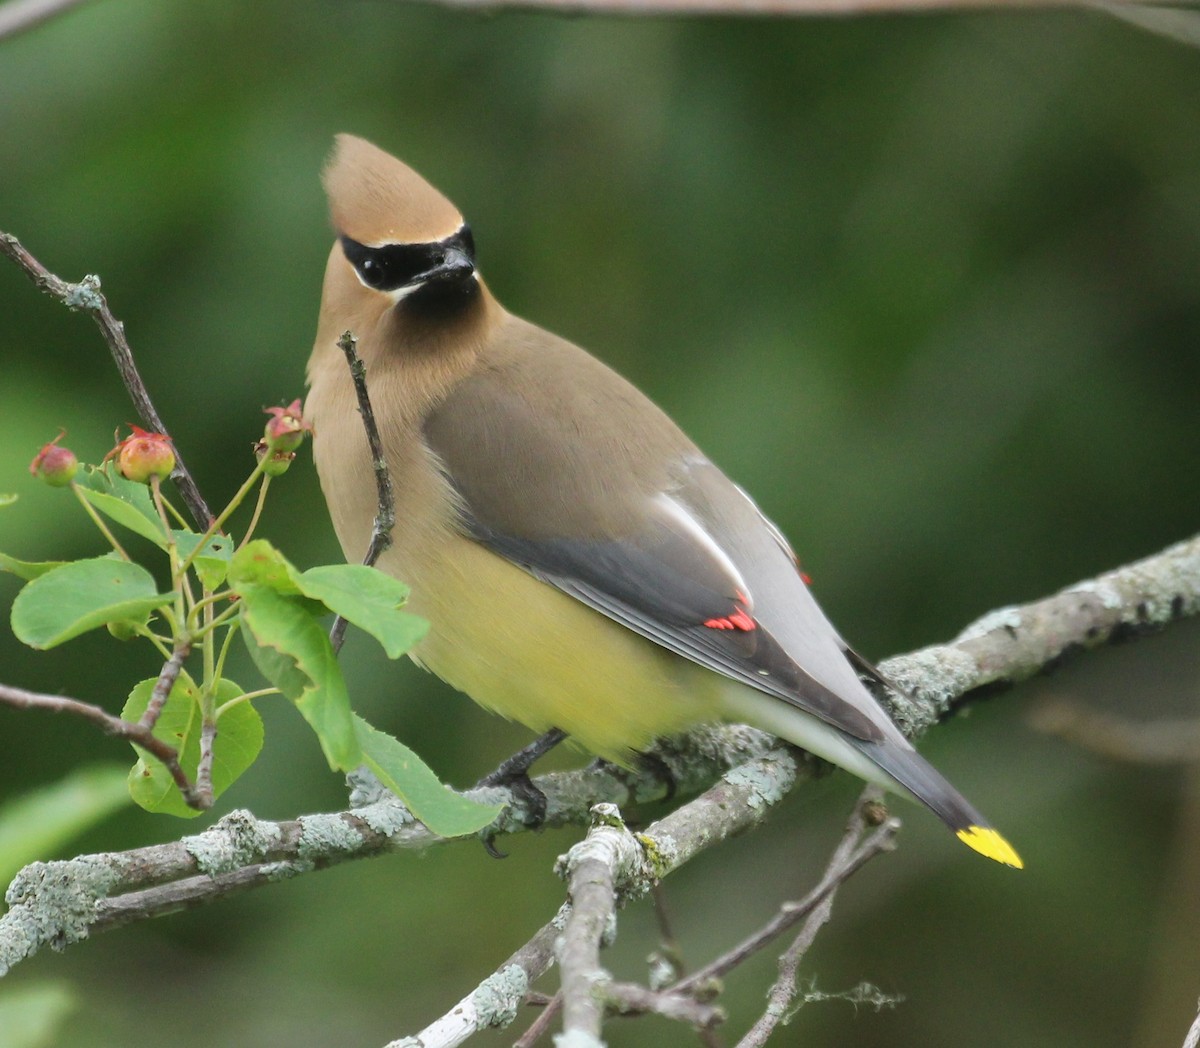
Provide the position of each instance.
(737, 620)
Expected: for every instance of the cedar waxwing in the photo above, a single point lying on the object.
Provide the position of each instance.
(580, 561)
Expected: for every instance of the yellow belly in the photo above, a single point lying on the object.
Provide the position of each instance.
(530, 652)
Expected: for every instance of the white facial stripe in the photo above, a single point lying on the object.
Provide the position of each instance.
(398, 293)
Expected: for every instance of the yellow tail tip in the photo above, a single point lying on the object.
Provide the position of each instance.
(988, 842)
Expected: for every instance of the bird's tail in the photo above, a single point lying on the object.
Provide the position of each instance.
(925, 783)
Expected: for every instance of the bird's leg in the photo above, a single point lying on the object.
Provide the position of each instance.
(514, 775)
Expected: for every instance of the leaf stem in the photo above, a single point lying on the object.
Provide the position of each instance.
(258, 508)
(179, 581)
(226, 644)
(99, 522)
(246, 697)
(207, 649)
(180, 519)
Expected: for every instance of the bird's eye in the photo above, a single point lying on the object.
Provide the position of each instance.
(373, 271)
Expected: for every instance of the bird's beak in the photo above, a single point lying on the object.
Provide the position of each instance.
(455, 265)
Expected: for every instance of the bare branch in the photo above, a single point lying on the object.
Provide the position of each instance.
(816, 908)
(541, 1025)
(86, 295)
(138, 734)
(166, 681)
(385, 515)
(850, 855)
(1121, 738)
(631, 999)
(1012, 644)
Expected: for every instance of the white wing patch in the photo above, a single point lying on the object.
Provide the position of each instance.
(680, 516)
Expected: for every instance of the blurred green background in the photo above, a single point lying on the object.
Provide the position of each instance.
(926, 286)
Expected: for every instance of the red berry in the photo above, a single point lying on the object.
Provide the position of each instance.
(56, 466)
(286, 427)
(144, 455)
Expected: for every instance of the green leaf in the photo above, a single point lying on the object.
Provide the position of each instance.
(125, 502)
(6, 499)
(212, 562)
(404, 773)
(37, 824)
(28, 569)
(238, 743)
(293, 652)
(258, 563)
(31, 1015)
(82, 595)
(369, 599)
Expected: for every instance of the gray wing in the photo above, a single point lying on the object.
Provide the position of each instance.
(648, 532)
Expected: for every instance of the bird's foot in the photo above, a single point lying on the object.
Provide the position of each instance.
(513, 775)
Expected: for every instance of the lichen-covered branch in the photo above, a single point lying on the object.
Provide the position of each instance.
(494, 1002)
(592, 868)
(1012, 644)
(740, 800)
(59, 903)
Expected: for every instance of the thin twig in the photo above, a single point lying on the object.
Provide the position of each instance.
(631, 999)
(385, 518)
(666, 964)
(166, 681)
(204, 768)
(1167, 741)
(385, 515)
(846, 859)
(122, 729)
(668, 958)
(541, 1025)
(86, 295)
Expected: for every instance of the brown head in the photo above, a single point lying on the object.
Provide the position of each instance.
(404, 259)
(375, 199)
